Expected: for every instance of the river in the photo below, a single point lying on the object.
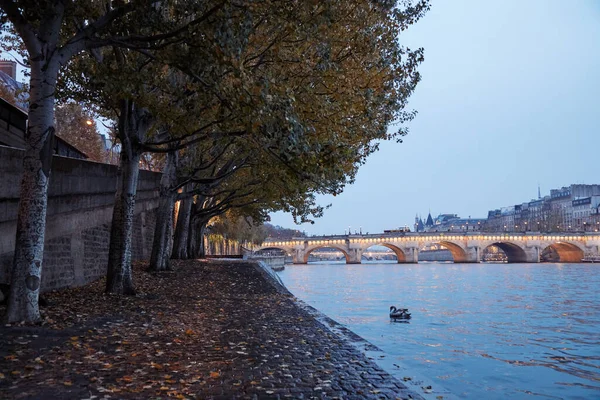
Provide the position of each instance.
(482, 331)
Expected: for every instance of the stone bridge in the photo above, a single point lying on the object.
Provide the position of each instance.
(465, 247)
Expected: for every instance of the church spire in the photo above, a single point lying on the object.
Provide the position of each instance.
(429, 221)
(539, 192)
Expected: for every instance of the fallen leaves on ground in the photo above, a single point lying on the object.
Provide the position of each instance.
(163, 342)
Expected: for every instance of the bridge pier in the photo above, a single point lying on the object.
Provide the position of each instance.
(473, 255)
(411, 255)
(533, 255)
(298, 256)
(355, 256)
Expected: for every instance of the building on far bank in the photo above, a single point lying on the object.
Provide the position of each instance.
(449, 223)
(574, 208)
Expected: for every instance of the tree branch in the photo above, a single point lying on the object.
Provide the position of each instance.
(22, 26)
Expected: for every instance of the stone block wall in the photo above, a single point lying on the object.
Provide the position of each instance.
(80, 202)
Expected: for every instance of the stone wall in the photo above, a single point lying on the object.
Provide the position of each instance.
(80, 202)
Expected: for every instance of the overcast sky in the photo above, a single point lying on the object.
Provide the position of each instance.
(509, 99)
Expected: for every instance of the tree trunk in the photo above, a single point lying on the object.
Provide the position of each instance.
(159, 260)
(196, 249)
(119, 275)
(182, 230)
(31, 219)
(133, 125)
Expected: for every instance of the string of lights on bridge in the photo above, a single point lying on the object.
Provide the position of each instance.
(440, 237)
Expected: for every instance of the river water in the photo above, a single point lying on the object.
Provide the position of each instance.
(482, 331)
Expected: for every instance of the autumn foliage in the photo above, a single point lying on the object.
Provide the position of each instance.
(252, 106)
(77, 126)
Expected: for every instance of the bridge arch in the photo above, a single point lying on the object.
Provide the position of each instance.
(327, 246)
(563, 252)
(458, 253)
(397, 251)
(514, 253)
(286, 250)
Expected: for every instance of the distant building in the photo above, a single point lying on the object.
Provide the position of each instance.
(451, 223)
(8, 79)
(429, 221)
(9, 68)
(570, 208)
(419, 225)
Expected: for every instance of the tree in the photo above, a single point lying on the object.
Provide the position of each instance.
(310, 86)
(318, 88)
(48, 40)
(242, 229)
(278, 232)
(76, 125)
(255, 88)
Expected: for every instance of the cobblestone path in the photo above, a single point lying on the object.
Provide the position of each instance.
(208, 330)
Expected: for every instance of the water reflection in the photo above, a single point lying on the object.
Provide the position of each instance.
(487, 330)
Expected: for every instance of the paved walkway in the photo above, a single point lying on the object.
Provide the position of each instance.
(208, 330)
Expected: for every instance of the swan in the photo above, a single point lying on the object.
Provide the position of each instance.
(399, 313)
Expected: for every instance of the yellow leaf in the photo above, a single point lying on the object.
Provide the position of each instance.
(189, 332)
(155, 365)
(68, 383)
(127, 379)
(74, 338)
(215, 374)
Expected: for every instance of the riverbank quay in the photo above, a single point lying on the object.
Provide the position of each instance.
(215, 329)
